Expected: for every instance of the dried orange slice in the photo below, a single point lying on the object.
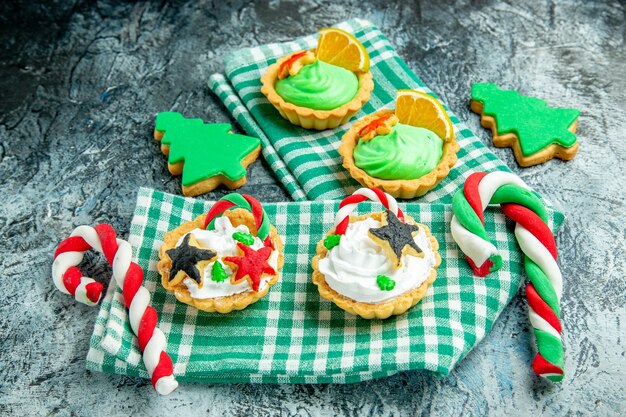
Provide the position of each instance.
(422, 110)
(338, 47)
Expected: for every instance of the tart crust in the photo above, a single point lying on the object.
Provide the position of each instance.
(385, 309)
(397, 188)
(219, 304)
(309, 118)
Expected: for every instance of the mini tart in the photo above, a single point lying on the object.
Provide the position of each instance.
(219, 304)
(385, 309)
(398, 188)
(315, 119)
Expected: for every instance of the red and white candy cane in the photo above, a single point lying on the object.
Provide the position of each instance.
(246, 202)
(129, 277)
(537, 243)
(348, 205)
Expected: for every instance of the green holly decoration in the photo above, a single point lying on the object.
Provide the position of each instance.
(385, 283)
(217, 272)
(331, 241)
(207, 150)
(536, 125)
(245, 238)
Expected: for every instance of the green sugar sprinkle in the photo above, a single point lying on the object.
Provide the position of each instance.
(217, 272)
(385, 283)
(245, 238)
(331, 241)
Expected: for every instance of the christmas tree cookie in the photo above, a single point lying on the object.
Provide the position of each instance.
(206, 155)
(535, 131)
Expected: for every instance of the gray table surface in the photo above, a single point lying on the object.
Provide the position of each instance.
(81, 82)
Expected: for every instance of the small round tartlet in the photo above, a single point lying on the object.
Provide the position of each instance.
(336, 50)
(424, 115)
(235, 234)
(375, 265)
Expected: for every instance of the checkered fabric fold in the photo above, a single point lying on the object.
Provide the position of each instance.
(307, 162)
(292, 335)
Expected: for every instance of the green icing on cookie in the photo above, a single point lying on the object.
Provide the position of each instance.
(331, 241)
(385, 283)
(319, 86)
(536, 125)
(217, 272)
(245, 238)
(207, 150)
(406, 153)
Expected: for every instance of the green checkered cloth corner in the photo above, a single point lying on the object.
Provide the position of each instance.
(307, 162)
(292, 335)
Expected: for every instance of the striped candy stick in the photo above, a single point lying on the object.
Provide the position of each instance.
(348, 205)
(537, 243)
(67, 277)
(129, 277)
(246, 202)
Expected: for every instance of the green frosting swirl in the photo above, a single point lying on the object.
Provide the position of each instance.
(319, 86)
(407, 153)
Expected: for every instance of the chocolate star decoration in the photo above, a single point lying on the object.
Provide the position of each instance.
(184, 258)
(396, 238)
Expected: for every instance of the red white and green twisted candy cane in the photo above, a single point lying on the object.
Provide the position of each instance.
(129, 277)
(246, 202)
(537, 242)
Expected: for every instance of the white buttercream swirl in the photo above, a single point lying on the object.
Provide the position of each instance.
(221, 241)
(351, 268)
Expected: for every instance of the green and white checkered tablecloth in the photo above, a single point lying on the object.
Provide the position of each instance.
(292, 335)
(307, 162)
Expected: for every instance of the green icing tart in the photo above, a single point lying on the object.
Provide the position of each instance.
(319, 86)
(406, 153)
(406, 163)
(321, 96)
